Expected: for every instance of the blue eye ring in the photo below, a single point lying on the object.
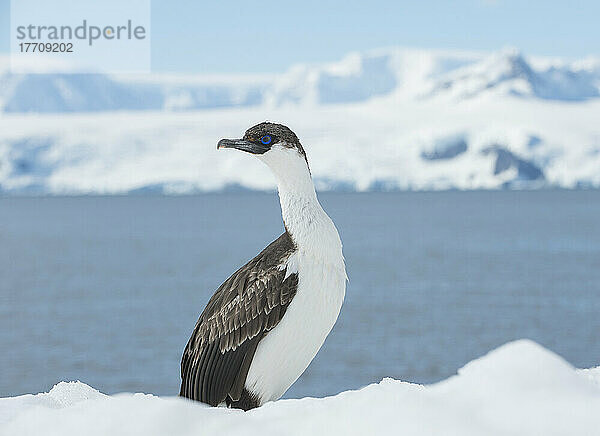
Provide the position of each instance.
(266, 140)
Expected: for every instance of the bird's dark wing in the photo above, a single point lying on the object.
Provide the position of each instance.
(246, 306)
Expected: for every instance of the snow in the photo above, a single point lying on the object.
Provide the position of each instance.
(508, 72)
(383, 120)
(518, 389)
(358, 77)
(376, 145)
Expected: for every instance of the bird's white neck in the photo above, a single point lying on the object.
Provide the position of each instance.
(310, 227)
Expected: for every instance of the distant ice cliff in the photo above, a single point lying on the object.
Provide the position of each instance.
(383, 120)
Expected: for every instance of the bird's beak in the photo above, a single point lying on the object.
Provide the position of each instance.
(242, 144)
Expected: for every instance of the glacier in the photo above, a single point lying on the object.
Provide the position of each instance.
(388, 119)
(519, 388)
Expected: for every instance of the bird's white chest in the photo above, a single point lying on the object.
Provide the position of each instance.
(287, 350)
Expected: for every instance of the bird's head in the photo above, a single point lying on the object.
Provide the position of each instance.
(275, 144)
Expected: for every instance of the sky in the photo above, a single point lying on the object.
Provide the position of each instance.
(269, 36)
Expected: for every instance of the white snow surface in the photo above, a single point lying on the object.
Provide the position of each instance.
(518, 389)
(382, 120)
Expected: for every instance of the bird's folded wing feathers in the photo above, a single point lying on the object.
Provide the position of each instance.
(246, 306)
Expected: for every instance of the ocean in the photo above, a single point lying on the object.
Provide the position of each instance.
(107, 290)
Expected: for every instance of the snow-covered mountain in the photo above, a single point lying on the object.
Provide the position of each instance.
(59, 93)
(387, 119)
(508, 72)
(356, 78)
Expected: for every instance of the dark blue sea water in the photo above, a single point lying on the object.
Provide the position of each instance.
(107, 289)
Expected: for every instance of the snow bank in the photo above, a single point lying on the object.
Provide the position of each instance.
(518, 389)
